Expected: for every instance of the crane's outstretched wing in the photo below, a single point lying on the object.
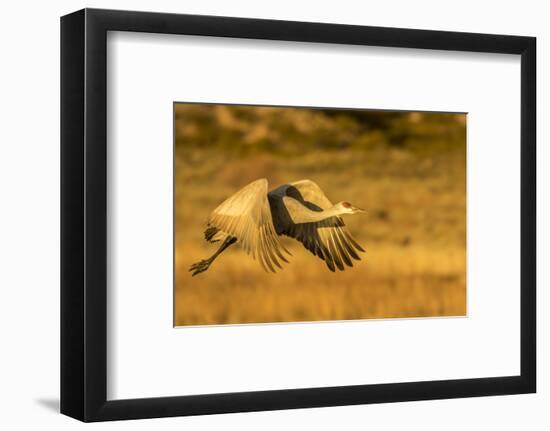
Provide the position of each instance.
(309, 192)
(247, 216)
(328, 239)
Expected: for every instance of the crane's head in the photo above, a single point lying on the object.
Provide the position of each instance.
(347, 208)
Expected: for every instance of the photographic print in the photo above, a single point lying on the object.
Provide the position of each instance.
(293, 214)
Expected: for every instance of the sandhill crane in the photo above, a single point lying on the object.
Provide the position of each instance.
(255, 218)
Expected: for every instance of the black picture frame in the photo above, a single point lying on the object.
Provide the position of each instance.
(84, 214)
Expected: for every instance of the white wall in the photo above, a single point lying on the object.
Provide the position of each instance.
(29, 220)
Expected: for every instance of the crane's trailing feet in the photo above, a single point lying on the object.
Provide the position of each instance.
(204, 264)
(255, 218)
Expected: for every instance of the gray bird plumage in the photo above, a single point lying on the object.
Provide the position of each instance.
(255, 218)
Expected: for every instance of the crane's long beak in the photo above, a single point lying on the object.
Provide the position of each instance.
(359, 210)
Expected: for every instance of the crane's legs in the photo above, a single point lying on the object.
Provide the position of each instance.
(204, 264)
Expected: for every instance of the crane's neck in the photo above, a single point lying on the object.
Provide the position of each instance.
(309, 216)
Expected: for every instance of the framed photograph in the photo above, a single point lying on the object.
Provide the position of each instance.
(261, 215)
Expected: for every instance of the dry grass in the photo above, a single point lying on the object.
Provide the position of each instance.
(414, 234)
(388, 284)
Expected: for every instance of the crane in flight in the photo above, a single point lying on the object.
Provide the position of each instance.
(255, 218)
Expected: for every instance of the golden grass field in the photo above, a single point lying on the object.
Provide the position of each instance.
(414, 233)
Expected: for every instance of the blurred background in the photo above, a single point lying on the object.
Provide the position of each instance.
(407, 169)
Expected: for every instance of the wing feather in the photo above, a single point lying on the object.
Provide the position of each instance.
(328, 239)
(246, 215)
(343, 253)
(347, 245)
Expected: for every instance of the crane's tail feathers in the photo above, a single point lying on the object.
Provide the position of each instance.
(209, 234)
